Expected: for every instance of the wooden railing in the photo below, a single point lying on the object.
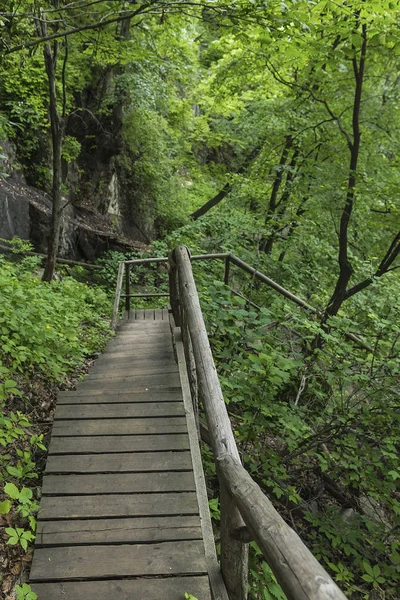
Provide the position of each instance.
(229, 259)
(246, 513)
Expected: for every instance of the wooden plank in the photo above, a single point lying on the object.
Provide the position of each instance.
(145, 325)
(77, 397)
(139, 314)
(143, 338)
(128, 462)
(171, 588)
(137, 353)
(115, 371)
(158, 390)
(120, 427)
(132, 364)
(150, 381)
(149, 333)
(117, 531)
(121, 483)
(158, 315)
(99, 562)
(114, 411)
(117, 505)
(118, 443)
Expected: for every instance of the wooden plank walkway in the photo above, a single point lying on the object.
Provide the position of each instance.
(119, 516)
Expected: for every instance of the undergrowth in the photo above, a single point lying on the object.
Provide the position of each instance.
(46, 333)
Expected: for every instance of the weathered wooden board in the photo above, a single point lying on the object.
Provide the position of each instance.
(164, 379)
(114, 371)
(137, 357)
(171, 588)
(117, 531)
(142, 327)
(132, 362)
(118, 443)
(77, 397)
(143, 338)
(77, 562)
(121, 411)
(117, 505)
(148, 352)
(157, 389)
(129, 462)
(152, 332)
(120, 427)
(118, 483)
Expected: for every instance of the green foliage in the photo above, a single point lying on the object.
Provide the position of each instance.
(46, 331)
(24, 592)
(49, 328)
(71, 149)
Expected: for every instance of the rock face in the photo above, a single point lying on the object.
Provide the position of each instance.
(89, 227)
(105, 204)
(25, 212)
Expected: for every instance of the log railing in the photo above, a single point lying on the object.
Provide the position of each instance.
(229, 259)
(246, 513)
(243, 506)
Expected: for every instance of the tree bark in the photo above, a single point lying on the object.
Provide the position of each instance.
(57, 137)
(345, 267)
(226, 189)
(277, 208)
(211, 203)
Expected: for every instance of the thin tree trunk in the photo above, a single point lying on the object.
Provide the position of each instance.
(345, 267)
(57, 136)
(226, 189)
(212, 202)
(278, 209)
(299, 212)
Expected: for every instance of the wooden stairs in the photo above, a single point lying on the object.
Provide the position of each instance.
(124, 512)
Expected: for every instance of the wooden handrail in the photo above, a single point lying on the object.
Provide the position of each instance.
(229, 259)
(186, 308)
(296, 569)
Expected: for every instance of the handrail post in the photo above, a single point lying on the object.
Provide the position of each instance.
(117, 296)
(173, 290)
(128, 289)
(227, 269)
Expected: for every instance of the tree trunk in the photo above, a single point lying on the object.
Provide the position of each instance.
(278, 209)
(57, 125)
(211, 203)
(345, 267)
(226, 189)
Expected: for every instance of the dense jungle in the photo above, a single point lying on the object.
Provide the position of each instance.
(265, 128)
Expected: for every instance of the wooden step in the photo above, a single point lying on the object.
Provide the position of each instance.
(119, 513)
(114, 444)
(134, 589)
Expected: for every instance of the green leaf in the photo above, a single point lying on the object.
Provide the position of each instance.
(15, 472)
(11, 490)
(5, 507)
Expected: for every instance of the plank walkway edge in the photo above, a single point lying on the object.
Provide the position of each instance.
(124, 510)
